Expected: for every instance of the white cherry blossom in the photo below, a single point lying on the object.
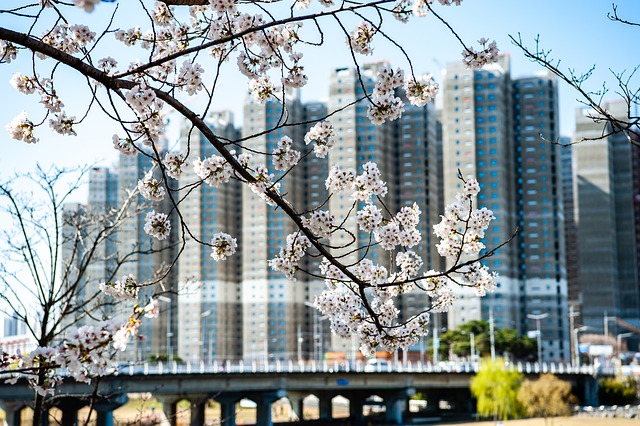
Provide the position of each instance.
(150, 188)
(157, 225)
(21, 128)
(223, 245)
(361, 37)
(126, 288)
(478, 59)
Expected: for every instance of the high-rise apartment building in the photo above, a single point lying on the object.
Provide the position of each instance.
(541, 258)
(272, 305)
(407, 154)
(150, 264)
(491, 130)
(129, 251)
(209, 298)
(605, 219)
(571, 232)
(478, 142)
(80, 228)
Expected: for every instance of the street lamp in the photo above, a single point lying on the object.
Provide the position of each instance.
(537, 318)
(492, 335)
(607, 318)
(317, 333)
(169, 333)
(472, 344)
(619, 338)
(576, 354)
(573, 348)
(209, 355)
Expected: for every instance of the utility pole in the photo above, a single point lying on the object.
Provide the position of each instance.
(492, 337)
(537, 318)
(436, 341)
(576, 342)
(473, 346)
(572, 345)
(299, 344)
(607, 318)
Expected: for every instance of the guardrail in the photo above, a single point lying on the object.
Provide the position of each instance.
(292, 366)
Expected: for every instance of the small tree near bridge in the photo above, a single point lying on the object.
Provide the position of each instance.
(496, 389)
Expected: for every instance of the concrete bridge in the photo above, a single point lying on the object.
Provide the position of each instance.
(228, 383)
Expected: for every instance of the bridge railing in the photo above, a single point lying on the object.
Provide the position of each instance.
(294, 366)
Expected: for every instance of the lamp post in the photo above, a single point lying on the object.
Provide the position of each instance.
(169, 333)
(206, 356)
(472, 344)
(472, 338)
(576, 354)
(619, 338)
(537, 318)
(318, 349)
(492, 335)
(572, 348)
(607, 318)
(300, 339)
(436, 339)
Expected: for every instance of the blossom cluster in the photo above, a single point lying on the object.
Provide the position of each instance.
(124, 145)
(264, 183)
(422, 91)
(126, 288)
(478, 59)
(68, 38)
(384, 104)
(287, 260)
(143, 101)
(359, 40)
(189, 78)
(363, 187)
(21, 128)
(173, 164)
(8, 51)
(157, 225)
(323, 137)
(374, 319)
(86, 352)
(284, 156)
(223, 245)
(421, 7)
(150, 188)
(213, 170)
(320, 222)
(462, 227)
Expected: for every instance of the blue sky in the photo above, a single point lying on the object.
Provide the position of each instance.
(578, 32)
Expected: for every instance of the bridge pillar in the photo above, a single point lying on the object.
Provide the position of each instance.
(324, 407)
(69, 408)
(104, 409)
(396, 404)
(296, 399)
(356, 404)
(170, 407)
(591, 391)
(198, 405)
(263, 410)
(12, 410)
(394, 409)
(433, 402)
(227, 409)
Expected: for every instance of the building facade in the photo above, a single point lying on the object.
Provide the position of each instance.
(492, 127)
(605, 219)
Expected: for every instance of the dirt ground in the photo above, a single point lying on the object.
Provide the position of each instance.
(579, 420)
